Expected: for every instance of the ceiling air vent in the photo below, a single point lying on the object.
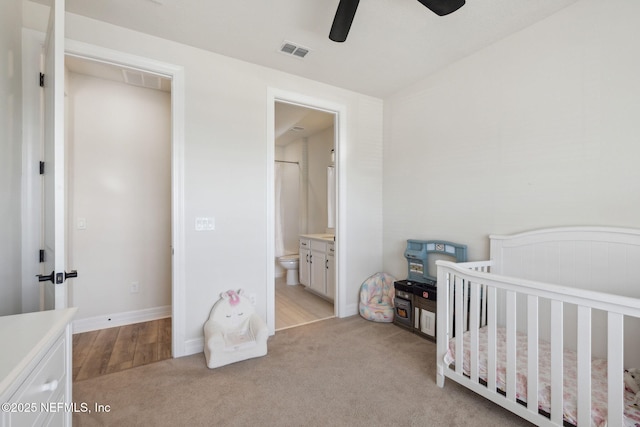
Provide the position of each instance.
(294, 49)
(137, 78)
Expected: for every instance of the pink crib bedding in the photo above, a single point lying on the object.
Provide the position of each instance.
(598, 373)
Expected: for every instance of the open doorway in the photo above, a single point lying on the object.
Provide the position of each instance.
(304, 214)
(119, 221)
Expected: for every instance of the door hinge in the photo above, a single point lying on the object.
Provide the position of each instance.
(41, 168)
(41, 80)
(42, 255)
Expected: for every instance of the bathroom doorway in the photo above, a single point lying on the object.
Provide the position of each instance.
(304, 205)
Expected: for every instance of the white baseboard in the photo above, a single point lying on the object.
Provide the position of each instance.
(193, 346)
(350, 310)
(120, 319)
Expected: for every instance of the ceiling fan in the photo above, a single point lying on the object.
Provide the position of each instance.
(347, 10)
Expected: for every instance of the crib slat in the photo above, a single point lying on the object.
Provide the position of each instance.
(615, 368)
(584, 365)
(465, 303)
(459, 325)
(442, 324)
(491, 339)
(556, 361)
(483, 299)
(474, 328)
(451, 300)
(511, 346)
(532, 353)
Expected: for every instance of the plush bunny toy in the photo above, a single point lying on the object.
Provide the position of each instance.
(632, 383)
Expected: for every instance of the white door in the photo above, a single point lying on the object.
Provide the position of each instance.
(53, 275)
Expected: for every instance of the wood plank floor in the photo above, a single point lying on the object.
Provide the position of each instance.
(296, 306)
(105, 351)
(96, 353)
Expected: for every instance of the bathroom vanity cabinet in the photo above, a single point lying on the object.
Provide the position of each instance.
(304, 266)
(331, 271)
(317, 266)
(35, 369)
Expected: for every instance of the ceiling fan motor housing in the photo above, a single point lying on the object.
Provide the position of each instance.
(443, 7)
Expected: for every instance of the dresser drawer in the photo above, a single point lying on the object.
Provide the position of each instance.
(45, 384)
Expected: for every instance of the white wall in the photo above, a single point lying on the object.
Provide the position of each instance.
(540, 129)
(10, 156)
(320, 145)
(119, 148)
(225, 164)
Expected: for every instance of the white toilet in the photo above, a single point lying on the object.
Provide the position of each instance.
(290, 263)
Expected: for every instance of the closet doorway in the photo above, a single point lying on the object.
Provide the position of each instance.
(304, 205)
(119, 200)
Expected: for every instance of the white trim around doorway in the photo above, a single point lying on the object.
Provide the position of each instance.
(274, 95)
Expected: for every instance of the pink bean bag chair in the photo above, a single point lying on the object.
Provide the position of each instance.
(376, 298)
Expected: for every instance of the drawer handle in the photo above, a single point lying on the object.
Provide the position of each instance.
(50, 386)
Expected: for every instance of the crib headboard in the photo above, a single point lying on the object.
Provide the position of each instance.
(603, 259)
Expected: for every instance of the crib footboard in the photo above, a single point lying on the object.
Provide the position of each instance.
(483, 317)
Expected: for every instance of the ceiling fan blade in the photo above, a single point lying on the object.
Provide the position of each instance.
(443, 7)
(343, 19)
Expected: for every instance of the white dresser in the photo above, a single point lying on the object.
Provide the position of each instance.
(35, 369)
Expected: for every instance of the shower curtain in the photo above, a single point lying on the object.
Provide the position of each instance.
(279, 214)
(286, 205)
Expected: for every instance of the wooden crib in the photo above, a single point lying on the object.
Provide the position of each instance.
(556, 305)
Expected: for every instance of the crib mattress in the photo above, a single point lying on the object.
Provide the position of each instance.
(598, 373)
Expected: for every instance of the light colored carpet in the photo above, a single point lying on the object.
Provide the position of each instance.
(338, 372)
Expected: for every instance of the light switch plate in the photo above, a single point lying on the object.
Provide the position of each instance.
(205, 224)
(81, 224)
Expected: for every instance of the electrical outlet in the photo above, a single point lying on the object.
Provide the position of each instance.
(252, 298)
(135, 287)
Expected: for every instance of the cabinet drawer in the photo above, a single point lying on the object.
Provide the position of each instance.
(45, 384)
(318, 245)
(305, 244)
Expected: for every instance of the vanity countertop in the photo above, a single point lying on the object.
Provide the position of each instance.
(320, 236)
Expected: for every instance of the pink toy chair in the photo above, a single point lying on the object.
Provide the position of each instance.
(233, 332)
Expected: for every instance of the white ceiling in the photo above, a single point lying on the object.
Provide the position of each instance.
(392, 43)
